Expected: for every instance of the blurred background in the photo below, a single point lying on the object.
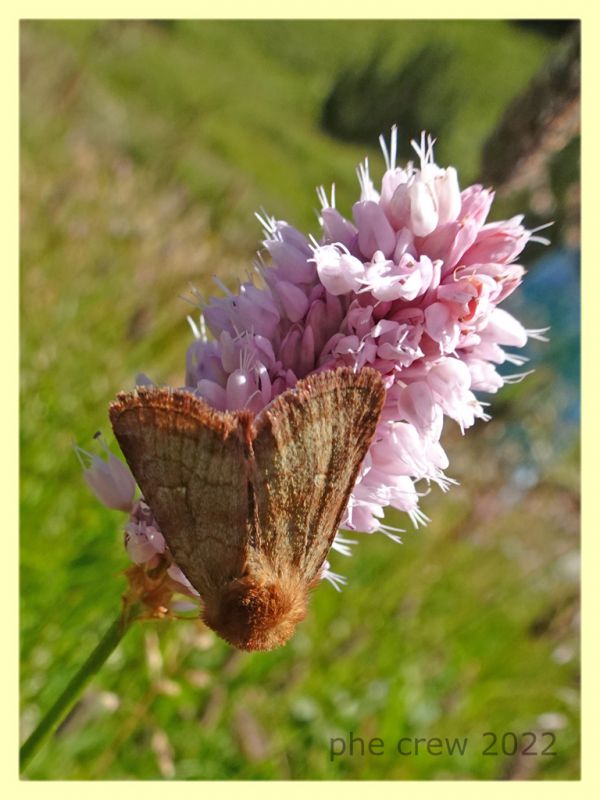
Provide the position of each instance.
(146, 147)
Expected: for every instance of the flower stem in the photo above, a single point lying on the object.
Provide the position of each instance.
(74, 688)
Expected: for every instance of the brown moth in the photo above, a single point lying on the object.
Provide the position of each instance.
(249, 505)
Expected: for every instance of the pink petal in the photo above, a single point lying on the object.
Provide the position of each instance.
(293, 299)
(423, 213)
(504, 329)
(374, 230)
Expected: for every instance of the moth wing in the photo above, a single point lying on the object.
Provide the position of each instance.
(188, 460)
(309, 445)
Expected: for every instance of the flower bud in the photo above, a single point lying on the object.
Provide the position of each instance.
(338, 229)
(416, 405)
(292, 262)
(448, 195)
(240, 387)
(504, 329)
(423, 211)
(289, 352)
(399, 206)
(293, 300)
(374, 230)
(111, 481)
(475, 204)
(215, 395)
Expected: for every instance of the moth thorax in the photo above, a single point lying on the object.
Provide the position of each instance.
(257, 614)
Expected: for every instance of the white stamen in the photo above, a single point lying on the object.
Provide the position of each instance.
(424, 149)
(444, 482)
(367, 190)
(392, 528)
(540, 240)
(78, 452)
(337, 581)
(390, 156)
(198, 300)
(322, 197)
(384, 150)
(203, 332)
(517, 377)
(392, 536)
(516, 359)
(269, 224)
(538, 333)
(342, 545)
(393, 146)
(417, 517)
(314, 245)
(259, 266)
(194, 327)
(542, 227)
(221, 285)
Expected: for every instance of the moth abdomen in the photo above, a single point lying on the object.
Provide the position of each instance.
(254, 613)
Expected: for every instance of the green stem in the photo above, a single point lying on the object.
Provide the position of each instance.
(73, 689)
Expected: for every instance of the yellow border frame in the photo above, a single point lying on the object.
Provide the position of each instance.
(308, 9)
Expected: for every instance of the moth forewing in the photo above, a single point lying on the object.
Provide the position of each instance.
(309, 446)
(189, 463)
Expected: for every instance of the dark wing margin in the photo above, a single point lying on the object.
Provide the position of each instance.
(190, 463)
(308, 448)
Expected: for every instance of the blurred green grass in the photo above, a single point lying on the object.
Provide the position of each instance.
(145, 150)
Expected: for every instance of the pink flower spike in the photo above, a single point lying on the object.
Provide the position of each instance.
(411, 289)
(110, 481)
